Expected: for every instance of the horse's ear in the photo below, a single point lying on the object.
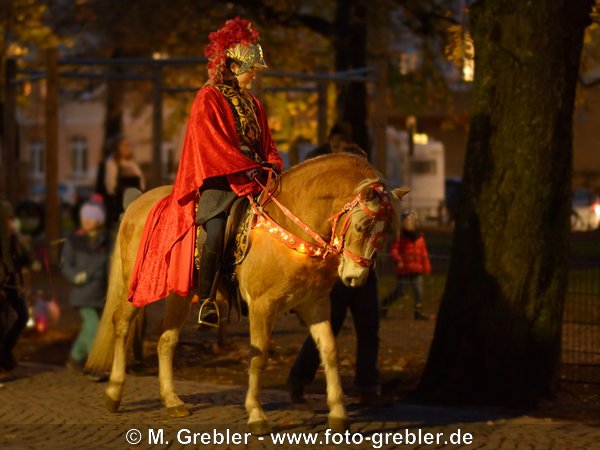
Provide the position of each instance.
(400, 192)
(397, 195)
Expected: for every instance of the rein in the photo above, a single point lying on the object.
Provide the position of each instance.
(336, 244)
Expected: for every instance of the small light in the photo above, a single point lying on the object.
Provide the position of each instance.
(420, 138)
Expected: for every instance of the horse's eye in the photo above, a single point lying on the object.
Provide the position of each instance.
(363, 226)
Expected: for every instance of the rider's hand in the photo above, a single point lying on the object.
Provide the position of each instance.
(274, 167)
(253, 173)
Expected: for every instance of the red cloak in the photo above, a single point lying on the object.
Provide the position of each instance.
(164, 261)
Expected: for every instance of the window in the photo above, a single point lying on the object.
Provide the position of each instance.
(36, 157)
(79, 156)
(408, 63)
(424, 167)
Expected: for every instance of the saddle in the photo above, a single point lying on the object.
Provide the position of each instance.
(235, 248)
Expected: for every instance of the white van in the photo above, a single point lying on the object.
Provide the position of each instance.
(423, 172)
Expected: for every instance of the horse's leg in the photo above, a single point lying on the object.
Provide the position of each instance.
(177, 309)
(121, 323)
(261, 318)
(316, 316)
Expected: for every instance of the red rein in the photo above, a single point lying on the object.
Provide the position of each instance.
(336, 244)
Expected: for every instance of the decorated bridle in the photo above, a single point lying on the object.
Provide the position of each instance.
(383, 213)
(336, 244)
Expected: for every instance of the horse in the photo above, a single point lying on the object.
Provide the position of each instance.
(325, 220)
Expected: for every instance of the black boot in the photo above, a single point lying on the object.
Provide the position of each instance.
(209, 265)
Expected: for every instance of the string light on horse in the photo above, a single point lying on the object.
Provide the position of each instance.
(335, 246)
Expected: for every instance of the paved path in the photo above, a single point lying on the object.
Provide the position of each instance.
(51, 408)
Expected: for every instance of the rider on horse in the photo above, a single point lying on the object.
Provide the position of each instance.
(234, 56)
(228, 142)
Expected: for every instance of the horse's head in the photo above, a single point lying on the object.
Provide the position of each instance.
(363, 229)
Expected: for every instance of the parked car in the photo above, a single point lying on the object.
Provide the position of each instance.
(452, 193)
(585, 210)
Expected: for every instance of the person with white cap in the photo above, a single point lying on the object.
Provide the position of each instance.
(84, 263)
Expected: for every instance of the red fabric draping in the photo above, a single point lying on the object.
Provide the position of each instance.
(164, 260)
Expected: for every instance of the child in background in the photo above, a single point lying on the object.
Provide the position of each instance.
(84, 262)
(409, 251)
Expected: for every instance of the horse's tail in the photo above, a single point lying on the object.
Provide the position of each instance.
(101, 355)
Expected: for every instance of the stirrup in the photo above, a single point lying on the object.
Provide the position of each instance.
(210, 307)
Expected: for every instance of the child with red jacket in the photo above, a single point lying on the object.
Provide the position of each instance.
(412, 261)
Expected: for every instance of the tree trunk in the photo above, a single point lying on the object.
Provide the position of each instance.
(498, 334)
(115, 94)
(350, 43)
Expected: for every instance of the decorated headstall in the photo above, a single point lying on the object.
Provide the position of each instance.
(336, 245)
(383, 213)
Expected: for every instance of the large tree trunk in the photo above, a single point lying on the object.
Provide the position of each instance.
(115, 94)
(497, 338)
(350, 43)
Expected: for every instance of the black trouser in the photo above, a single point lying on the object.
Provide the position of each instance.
(362, 302)
(19, 305)
(215, 232)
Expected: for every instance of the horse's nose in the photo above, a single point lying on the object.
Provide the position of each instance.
(350, 281)
(355, 280)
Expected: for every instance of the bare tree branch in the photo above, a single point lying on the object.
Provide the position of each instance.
(266, 14)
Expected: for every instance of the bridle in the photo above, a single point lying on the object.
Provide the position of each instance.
(383, 213)
(336, 244)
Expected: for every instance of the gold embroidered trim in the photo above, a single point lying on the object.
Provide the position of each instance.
(243, 108)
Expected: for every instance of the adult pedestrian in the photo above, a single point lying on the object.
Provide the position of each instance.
(16, 260)
(121, 172)
(362, 302)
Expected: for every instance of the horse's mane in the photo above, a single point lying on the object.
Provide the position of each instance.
(333, 159)
(336, 170)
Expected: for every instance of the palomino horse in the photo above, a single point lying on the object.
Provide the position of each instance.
(337, 209)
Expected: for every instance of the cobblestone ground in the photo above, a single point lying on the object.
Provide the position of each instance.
(46, 407)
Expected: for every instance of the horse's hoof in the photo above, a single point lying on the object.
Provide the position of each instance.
(178, 411)
(111, 405)
(259, 428)
(338, 424)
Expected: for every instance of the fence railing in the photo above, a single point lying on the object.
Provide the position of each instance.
(403, 338)
(580, 354)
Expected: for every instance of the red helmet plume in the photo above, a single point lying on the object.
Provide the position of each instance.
(233, 32)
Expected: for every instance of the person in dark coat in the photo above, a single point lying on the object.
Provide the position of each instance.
(338, 140)
(15, 259)
(362, 303)
(84, 263)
